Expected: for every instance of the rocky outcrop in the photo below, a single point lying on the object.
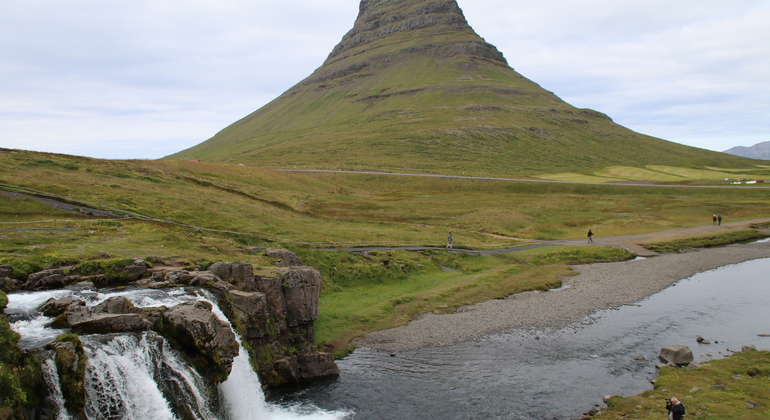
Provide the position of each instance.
(285, 257)
(301, 290)
(197, 328)
(274, 314)
(240, 275)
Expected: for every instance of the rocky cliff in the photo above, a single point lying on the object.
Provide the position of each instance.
(274, 314)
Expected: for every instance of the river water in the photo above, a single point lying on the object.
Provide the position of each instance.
(520, 375)
(555, 375)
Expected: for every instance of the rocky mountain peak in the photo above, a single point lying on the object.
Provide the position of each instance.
(416, 20)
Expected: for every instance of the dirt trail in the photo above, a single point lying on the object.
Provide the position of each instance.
(632, 243)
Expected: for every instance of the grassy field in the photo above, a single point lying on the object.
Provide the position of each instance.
(706, 241)
(197, 212)
(744, 393)
(365, 293)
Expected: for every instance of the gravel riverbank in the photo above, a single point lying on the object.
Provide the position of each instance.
(597, 287)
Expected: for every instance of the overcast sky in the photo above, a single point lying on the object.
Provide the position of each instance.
(147, 78)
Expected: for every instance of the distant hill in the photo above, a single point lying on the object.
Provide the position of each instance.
(412, 87)
(757, 151)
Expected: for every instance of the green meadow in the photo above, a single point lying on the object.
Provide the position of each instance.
(193, 213)
(734, 388)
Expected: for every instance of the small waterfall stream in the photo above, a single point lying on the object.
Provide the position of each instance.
(140, 376)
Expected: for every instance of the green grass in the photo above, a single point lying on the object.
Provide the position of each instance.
(197, 212)
(745, 376)
(706, 241)
(364, 293)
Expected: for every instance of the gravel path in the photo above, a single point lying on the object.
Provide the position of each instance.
(597, 287)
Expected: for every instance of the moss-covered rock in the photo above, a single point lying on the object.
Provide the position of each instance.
(21, 380)
(70, 357)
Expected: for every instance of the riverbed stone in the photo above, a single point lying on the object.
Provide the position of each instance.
(678, 355)
(105, 323)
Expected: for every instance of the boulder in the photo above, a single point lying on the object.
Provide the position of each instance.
(285, 257)
(116, 305)
(678, 355)
(295, 370)
(301, 289)
(136, 269)
(5, 271)
(197, 329)
(750, 347)
(177, 276)
(54, 307)
(75, 312)
(105, 323)
(317, 365)
(45, 280)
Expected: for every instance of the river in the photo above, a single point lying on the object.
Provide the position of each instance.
(560, 374)
(519, 375)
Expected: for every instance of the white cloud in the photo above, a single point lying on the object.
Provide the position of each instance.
(144, 79)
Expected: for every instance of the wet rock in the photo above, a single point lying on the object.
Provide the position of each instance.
(702, 340)
(5, 271)
(295, 370)
(678, 355)
(197, 329)
(76, 311)
(317, 365)
(748, 348)
(116, 305)
(54, 307)
(105, 323)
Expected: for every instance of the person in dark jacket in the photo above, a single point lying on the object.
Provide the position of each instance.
(675, 409)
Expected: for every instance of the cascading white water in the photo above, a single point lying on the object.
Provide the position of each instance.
(139, 376)
(51, 377)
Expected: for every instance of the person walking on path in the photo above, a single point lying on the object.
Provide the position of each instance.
(676, 410)
(590, 234)
(719, 220)
(714, 219)
(449, 241)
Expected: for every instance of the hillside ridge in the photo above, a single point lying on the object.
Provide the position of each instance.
(412, 87)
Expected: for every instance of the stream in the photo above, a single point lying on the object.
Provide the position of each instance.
(554, 375)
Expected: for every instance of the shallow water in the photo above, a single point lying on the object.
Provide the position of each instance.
(557, 375)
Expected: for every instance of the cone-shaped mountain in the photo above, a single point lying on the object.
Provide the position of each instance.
(412, 87)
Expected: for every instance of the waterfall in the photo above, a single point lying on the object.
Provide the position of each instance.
(139, 376)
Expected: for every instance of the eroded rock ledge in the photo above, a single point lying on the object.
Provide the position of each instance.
(274, 313)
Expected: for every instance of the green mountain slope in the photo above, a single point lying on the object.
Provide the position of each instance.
(412, 87)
